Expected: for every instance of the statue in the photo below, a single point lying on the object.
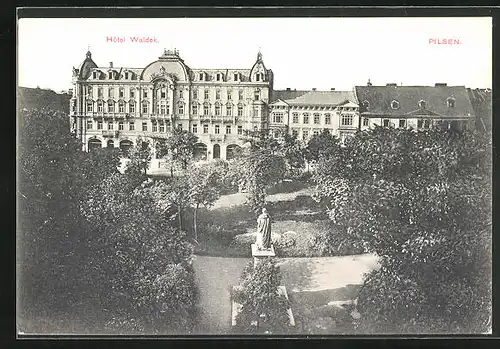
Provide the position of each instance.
(264, 231)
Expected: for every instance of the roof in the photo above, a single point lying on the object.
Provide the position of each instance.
(408, 97)
(323, 98)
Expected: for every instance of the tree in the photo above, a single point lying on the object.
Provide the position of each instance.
(263, 309)
(422, 202)
(140, 159)
(322, 145)
(293, 152)
(179, 147)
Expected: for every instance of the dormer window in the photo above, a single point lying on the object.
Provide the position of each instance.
(395, 105)
(450, 102)
(218, 77)
(110, 75)
(202, 76)
(257, 77)
(94, 75)
(126, 75)
(366, 105)
(236, 77)
(422, 104)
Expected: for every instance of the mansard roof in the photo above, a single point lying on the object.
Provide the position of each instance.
(436, 98)
(315, 98)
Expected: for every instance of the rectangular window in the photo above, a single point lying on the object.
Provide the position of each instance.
(145, 108)
(328, 119)
(427, 123)
(126, 75)
(162, 127)
(229, 97)
(110, 126)
(316, 119)
(110, 92)
(162, 109)
(111, 107)
(144, 126)
(99, 92)
(132, 93)
(121, 108)
(131, 126)
(206, 109)
(163, 94)
(217, 109)
(240, 94)
(305, 119)
(419, 123)
(201, 77)
(181, 109)
(195, 109)
(206, 94)
(90, 107)
(181, 94)
(278, 117)
(195, 94)
(205, 128)
(89, 124)
(316, 132)
(235, 76)
(256, 95)
(121, 93)
(131, 107)
(145, 94)
(240, 110)
(295, 133)
(402, 123)
(228, 129)
(305, 134)
(240, 130)
(99, 125)
(365, 121)
(120, 125)
(229, 110)
(217, 129)
(195, 128)
(346, 120)
(385, 122)
(256, 111)
(295, 118)
(217, 94)
(155, 127)
(179, 126)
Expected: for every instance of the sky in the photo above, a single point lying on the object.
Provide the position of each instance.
(304, 53)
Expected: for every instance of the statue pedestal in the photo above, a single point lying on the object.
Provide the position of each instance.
(258, 255)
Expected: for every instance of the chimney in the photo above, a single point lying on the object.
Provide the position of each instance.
(314, 88)
(392, 84)
(111, 64)
(332, 89)
(288, 88)
(440, 84)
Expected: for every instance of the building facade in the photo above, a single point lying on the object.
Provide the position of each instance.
(307, 113)
(416, 107)
(114, 106)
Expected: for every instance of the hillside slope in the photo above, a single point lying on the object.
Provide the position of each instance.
(37, 98)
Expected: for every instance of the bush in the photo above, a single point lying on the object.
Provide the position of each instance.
(216, 233)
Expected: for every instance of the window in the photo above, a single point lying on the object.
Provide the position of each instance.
(126, 75)
(305, 134)
(121, 92)
(240, 130)
(132, 93)
(181, 109)
(328, 119)
(385, 122)
(120, 125)
(206, 94)
(217, 109)
(144, 126)
(276, 134)
(316, 132)
(402, 123)
(167, 107)
(131, 126)
(316, 119)
(110, 92)
(110, 126)
(155, 127)
(346, 120)
(94, 75)
(110, 75)
(162, 127)
(205, 128)
(99, 106)
(219, 77)
(256, 95)
(99, 92)
(229, 110)
(295, 118)
(89, 124)
(395, 105)
(236, 76)
(195, 109)
(420, 123)
(111, 107)
(201, 76)
(427, 123)
(295, 133)
(240, 95)
(195, 94)
(240, 110)
(257, 77)
(450, 102)
(195, 128)
(181, 94)
(305, 118)
(90, 106)
(228, 129)
(99, 125)
(89, 90)
(145, 108)
(162, 109)
(206, 109)
(255, 128)
(256, 111)
(278, 117)
(179, 127)
(422, 104)
(163, 93)
(229, 95)
(366, 104)
(365, 121)
(121, 107)
(217, 129)
(131, 107)
(145, 93)
(217, 94)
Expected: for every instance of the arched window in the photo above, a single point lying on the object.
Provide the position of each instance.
(450, 102)
(366, 104)
(395, 104)
(422, 104)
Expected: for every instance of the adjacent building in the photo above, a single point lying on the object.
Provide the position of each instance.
(417, 107)
(307, 113)
(114, 106)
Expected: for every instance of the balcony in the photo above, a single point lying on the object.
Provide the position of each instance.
(218, 137)
(110, 134)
